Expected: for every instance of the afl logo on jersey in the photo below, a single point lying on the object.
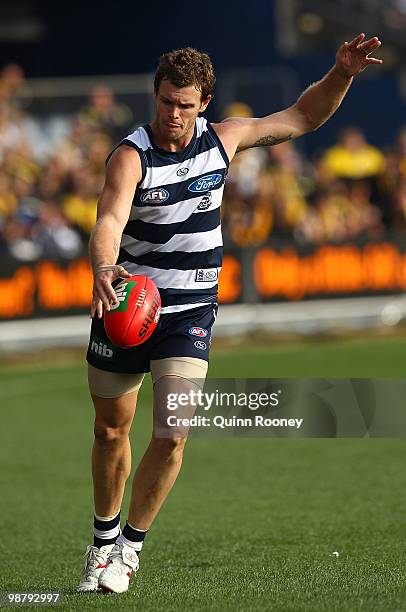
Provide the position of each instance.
(204, 183)
(155, 196)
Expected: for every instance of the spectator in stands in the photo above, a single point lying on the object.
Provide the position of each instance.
(399, 208)
(18, 161)
(19, 240)
(12, 80)
(310, 230)
(80, 205)
(366, 216)
(8, 199)
(27, 201)
(401, 151)
(353, 158)
(11, 134)
(388, 182)
(291, 184)
(54, 234)
(247, 220)
(98, 150)
(18, 123)
(392, 175)
(51, 185)
(71, 153)
(247, 166)
(342, 212)
(106, 114)
(335, 210)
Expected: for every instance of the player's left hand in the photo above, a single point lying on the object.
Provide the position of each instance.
(353, 57)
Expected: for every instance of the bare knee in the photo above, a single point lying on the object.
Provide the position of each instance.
(113, 418)
(169, 448)
(106, 435)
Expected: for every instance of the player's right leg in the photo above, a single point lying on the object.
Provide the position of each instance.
(114, 397)
(157, 470)
(178, 362)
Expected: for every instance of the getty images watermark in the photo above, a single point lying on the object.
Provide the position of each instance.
(218, 400)
(286, 407)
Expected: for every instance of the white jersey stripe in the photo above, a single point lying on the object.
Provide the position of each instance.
(203, 163)
(140, 138)
(174, 279)
(137, 247)
(193, 243)
(175, 213)
(201, 126)
(181, 307)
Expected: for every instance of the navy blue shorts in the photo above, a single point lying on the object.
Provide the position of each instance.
(179, 334)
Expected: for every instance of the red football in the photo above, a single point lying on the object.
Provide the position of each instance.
(133, 319)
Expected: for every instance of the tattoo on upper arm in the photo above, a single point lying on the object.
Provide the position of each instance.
(115, 246)
(270, 141)
(266, 141)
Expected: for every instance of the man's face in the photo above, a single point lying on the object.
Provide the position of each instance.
(177, 109)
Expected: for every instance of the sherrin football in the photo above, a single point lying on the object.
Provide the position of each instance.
(134, 317)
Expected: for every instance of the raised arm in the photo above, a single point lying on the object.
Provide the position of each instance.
(122, 175)
(313, 108)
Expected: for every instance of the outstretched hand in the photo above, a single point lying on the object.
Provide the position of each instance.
(353, 57)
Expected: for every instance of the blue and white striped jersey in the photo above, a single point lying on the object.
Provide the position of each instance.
(173, 234)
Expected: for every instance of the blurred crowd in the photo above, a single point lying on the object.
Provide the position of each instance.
(350, 190)
(51, 176)
(52, 173)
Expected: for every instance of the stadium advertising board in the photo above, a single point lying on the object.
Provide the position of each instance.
(49, 288)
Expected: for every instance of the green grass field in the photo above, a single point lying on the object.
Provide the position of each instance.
(251, 524)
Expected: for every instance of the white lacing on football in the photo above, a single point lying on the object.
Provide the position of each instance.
(141, 298)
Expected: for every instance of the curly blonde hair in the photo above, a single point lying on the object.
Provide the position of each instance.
(185, 67)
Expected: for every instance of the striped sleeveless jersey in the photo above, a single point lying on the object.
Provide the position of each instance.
(173, 234)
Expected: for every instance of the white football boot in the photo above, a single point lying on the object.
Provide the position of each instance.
(95, 563)
(121, 563)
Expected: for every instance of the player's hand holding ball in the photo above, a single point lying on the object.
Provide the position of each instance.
(104, 295)
(131, 320)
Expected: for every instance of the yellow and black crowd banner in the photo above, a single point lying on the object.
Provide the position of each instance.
(267, 273)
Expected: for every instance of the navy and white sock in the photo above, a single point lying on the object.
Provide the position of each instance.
(133, 537)
(106, 530)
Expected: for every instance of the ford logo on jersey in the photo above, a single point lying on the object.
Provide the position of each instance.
(204, 183)
(155, 196)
